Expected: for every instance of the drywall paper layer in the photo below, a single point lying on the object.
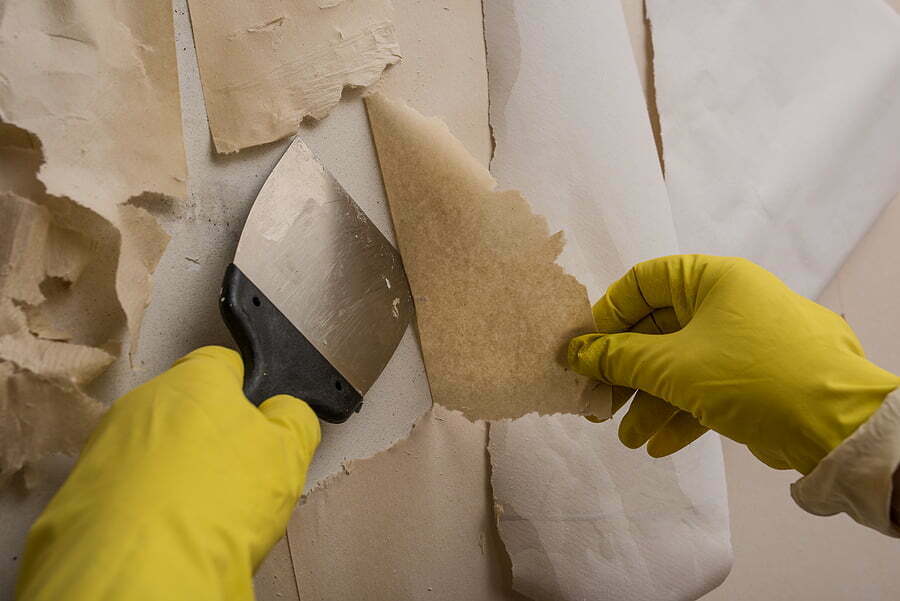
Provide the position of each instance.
(494, 309)
(43, 408)
(22, 240)
(12, 319)
(588, 161)
(41, 325)
(67, 253)
(268, 64)
(781, 127)
(413, 522)
(59, 361)
(40, 417)
(143, 242)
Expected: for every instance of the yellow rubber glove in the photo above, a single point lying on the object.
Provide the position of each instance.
(178, 494)
(739, 353)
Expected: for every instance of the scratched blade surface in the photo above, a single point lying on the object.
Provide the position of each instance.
(315, 254)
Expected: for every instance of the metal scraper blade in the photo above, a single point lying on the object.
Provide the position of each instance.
(320, 260)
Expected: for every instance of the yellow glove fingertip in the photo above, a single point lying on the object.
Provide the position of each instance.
(580, 357)
(658, 451)
(678, 432)
(646, 416)
(298, 418)
(630, 438)
(595, 420)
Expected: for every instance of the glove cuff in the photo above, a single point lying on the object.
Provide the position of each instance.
(856, 477)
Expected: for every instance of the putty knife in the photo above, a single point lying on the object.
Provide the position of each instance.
(316, 298)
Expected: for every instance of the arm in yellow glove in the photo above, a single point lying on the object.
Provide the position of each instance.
(179, 493)
(720, 343)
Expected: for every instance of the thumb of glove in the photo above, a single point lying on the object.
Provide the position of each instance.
(627, 359)
(297, 420)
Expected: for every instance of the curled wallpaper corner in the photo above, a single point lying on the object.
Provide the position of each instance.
(494, 310)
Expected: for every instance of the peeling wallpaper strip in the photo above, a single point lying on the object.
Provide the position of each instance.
(494, 310)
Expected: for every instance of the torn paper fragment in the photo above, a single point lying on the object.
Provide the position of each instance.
(414, 521)
(57, 361)
(494, 310)
(780, 125)
(40, 322)
(142, 246)
(12, 319)
(67, 253)
(265, 65)
(23, 234)
(39, 417)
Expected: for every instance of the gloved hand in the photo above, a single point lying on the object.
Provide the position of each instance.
(740, 353)
(178, 494)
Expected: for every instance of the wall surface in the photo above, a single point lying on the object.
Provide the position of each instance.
(781, 552)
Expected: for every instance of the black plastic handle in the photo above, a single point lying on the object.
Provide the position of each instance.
(278, 359)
